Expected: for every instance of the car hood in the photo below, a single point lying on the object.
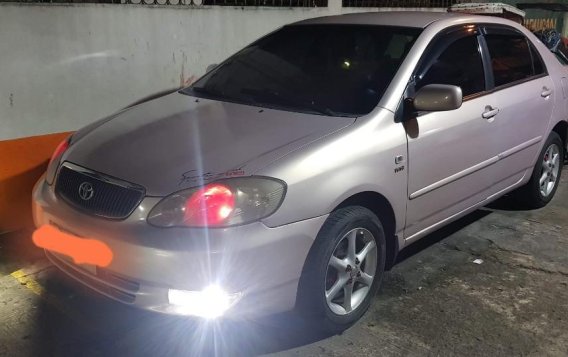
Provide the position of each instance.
(178, 141)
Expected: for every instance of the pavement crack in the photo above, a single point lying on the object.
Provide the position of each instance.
(458, 249)
(542, 270)
(529, 267)
(23, 273)
(534, 221)
(495, 258)
(494, 245)
(499, 226)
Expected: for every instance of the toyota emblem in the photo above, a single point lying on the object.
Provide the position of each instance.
(86, 191)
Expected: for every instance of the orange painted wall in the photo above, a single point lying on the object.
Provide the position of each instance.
(22, 162)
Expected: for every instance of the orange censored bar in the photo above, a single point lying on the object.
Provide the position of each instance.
(83, 251)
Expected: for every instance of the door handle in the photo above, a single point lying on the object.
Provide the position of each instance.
(545, 92)
(489, 112)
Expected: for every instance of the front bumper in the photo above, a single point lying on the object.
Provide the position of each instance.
(261, 264)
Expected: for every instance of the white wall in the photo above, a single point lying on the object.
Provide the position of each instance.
(63, 66)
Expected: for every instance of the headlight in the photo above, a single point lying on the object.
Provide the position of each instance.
(222, 203)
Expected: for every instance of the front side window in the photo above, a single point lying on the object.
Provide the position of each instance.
(459, 64)
(511, 58)
(324, 69)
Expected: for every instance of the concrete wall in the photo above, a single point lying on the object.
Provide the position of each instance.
(63, 66)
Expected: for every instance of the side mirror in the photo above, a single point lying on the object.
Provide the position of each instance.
(438, 98)
(211, 67)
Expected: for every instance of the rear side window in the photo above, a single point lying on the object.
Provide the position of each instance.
(512, 58)
(459, 64)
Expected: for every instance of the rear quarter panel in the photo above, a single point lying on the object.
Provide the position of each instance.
(558, 74)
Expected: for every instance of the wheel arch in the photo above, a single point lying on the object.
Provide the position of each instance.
(381, 207)
(561, 128)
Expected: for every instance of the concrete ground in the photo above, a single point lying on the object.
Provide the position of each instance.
(436, 301)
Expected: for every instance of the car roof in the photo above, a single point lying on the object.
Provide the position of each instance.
(390, 18)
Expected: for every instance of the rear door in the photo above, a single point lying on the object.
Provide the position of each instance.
(522, 93)
(450, 153)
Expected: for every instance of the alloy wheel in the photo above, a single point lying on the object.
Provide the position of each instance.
(351, 271)
(550, 170)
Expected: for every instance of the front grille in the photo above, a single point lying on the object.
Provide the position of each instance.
(101, 195)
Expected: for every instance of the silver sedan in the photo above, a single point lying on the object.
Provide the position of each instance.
(289, 176)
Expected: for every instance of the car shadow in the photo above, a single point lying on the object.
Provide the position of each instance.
(441, 234)
(81, 322)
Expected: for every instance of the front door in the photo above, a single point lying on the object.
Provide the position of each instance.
(450, 153)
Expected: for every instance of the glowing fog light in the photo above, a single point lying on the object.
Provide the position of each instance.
(210, 302)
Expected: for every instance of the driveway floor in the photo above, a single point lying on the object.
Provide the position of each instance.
(435, 301)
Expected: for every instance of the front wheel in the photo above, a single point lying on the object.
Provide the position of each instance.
(344, 268)
(546, 174)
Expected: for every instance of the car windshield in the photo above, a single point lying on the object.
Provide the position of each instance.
(336, 70)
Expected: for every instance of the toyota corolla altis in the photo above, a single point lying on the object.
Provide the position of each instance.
(290, 175)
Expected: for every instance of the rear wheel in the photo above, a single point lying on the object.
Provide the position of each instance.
(344, 268)
(546, 174)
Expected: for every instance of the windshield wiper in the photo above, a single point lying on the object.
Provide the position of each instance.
(261, 96)
(265, 98)
(322, 110)
(205, 92)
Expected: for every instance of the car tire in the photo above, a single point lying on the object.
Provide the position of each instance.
(545, 176)
(325, 283)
